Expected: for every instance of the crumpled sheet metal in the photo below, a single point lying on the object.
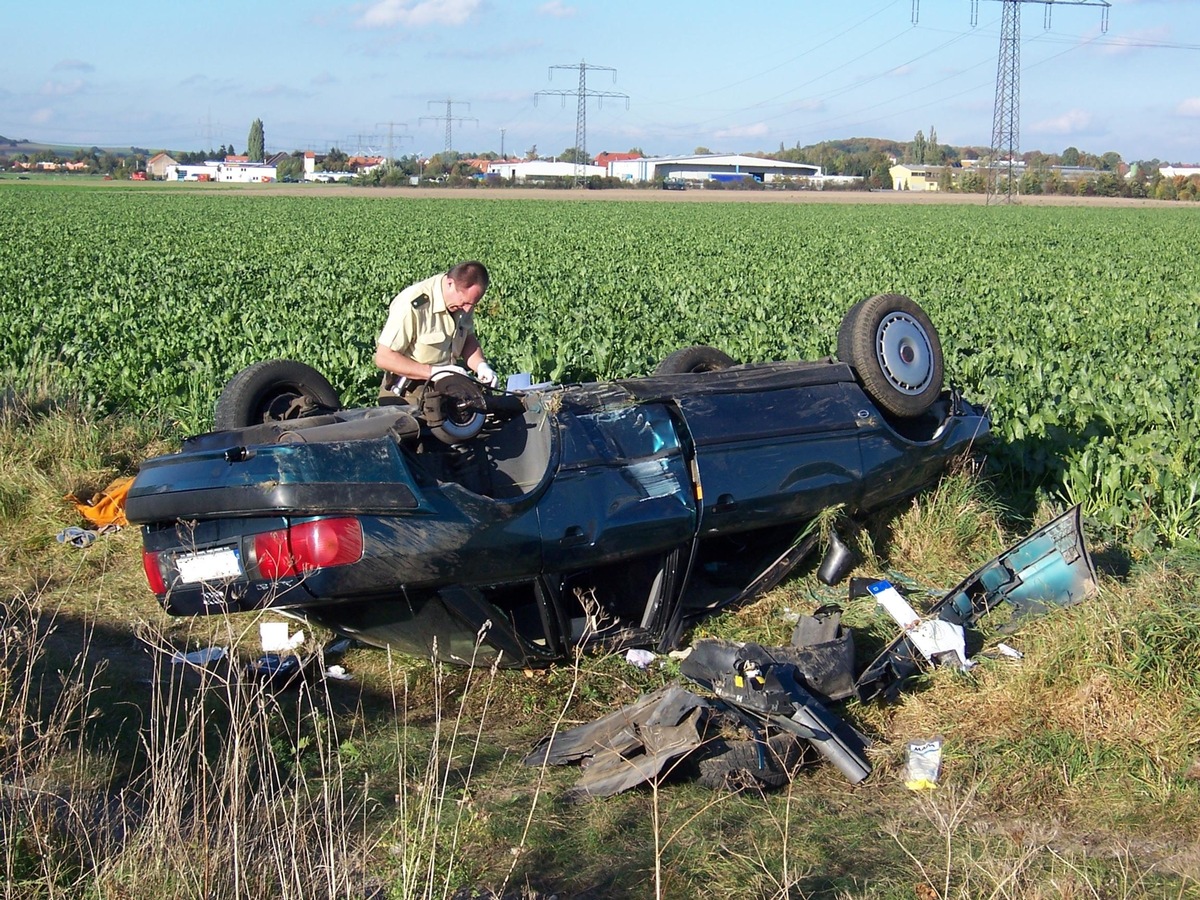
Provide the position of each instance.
(629, 746)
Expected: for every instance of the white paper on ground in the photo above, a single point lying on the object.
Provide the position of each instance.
(275, 637)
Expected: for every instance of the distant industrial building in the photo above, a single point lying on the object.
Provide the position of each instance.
(542, 170)
(236, 169)
(710, 167)
(914, 177)
(157, 165)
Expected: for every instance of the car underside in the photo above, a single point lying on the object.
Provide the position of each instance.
(480, 524)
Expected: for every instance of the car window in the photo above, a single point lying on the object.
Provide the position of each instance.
(613, 435)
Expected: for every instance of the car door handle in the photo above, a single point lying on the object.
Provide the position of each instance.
(575, 535)
(725, 503)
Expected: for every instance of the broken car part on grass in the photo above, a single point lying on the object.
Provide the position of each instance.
(777, 696)
(750, 733)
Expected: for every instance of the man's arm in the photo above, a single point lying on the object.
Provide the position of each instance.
(472, 352)
(398, 364)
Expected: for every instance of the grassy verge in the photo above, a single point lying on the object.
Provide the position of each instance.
(123, 774)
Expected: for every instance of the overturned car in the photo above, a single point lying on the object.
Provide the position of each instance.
(613, 513)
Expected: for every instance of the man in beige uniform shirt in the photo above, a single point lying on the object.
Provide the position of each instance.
(430, 327)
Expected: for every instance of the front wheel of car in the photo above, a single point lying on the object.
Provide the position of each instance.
(273, 391)
(690, 360)
(892, 345)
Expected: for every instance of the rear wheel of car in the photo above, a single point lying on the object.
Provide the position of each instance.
(892, 344)
(694, 359)
(273, 391)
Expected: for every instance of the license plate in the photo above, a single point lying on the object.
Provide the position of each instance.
(219, 564)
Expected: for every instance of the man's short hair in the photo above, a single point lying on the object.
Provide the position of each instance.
(470, 273)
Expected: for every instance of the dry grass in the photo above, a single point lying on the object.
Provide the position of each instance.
(124, 776)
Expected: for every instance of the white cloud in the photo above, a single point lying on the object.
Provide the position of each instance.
(42, 116)
(73, 65)
(1070, 122)
(323, 78)
(506, 50)
(759, 129)
(557, 9)
(62, 88)
(809, 105)
(418, 13)
(1189, 107)
(278, 90)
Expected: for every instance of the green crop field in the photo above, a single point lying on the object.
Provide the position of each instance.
(1080, 326)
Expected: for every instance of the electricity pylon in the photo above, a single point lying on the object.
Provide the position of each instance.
(392, 138)
(449, 118)
(582, 93)
(1006, 115)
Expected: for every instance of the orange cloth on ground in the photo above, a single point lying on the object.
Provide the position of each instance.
(108, 506)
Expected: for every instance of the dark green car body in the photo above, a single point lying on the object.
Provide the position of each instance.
(615, 512)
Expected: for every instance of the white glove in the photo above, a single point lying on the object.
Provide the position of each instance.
(439, 371)
(487, 375)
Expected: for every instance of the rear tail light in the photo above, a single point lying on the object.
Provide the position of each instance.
(154, 575)
(283, 552)
(312, 545)
(271, 551)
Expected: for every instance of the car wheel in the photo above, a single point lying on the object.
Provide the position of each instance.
(454, 408)
(738, 765)
(273, 391)
(694, 359)
(891, 343)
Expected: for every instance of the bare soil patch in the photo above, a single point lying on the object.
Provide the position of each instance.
(698, 195)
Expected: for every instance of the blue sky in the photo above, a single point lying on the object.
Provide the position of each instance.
(729, 77)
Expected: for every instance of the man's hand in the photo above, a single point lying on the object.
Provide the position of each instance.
(487, 375)
(438, 371)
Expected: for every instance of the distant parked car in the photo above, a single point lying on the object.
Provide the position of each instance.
(674, 184)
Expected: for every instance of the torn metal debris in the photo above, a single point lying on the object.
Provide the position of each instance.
(766, 704)
(768, 701)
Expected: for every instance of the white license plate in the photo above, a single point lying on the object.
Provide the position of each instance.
(219, 564)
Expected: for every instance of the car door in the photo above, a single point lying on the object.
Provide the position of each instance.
(622, 490)
(775, 455)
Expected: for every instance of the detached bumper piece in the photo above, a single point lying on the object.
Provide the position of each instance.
(1050, 568)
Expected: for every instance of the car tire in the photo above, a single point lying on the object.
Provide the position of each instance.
(690, 360)
(738, 765)
(273, 391)
(455, 408)
(892, 345)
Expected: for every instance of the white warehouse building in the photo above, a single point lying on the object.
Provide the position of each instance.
(215, 170)
(540, 168)
(710, 167)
